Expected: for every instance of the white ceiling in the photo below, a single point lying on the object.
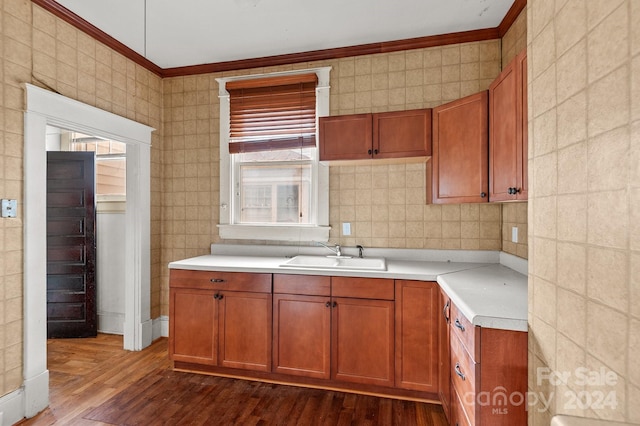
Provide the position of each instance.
(173, 33)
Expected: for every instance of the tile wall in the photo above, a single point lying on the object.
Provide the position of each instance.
(584, 240)
(40, 49)
(385, 204)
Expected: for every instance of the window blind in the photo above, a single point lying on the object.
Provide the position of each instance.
(272, 113)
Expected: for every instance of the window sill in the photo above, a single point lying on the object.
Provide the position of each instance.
(274, 232)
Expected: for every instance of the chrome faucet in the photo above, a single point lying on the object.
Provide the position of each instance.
(360, 251)
(335, 249)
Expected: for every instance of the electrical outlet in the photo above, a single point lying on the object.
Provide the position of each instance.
(346, 228)
(514, 234)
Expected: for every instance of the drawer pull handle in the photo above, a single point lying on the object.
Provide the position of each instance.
(216, 280)
(459, 324)
(458, 372)
(445, 310)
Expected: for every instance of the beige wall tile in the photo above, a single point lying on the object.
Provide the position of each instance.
(572, 169)
(607, 277)
(608, 164)
(572, 120)
(608, 214)
(602, 336)
(609, 102)
(608, 43)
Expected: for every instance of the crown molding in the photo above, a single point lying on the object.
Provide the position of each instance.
(292, 58)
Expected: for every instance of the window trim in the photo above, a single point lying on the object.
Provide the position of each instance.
(319, 231)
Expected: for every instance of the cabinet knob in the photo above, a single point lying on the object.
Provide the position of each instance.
(369, 152)
(459, 372)
(458, 324)
(375, 151)
(328, 304)
(483, 194)
(334, 304)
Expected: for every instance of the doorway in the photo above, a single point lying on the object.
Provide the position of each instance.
(46, 108)
(71, 245)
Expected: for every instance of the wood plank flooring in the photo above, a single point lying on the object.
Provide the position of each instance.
(95, 382)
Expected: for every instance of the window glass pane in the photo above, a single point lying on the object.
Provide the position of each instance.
(111, 163)
(275, 193)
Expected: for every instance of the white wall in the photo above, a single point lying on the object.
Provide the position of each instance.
(110, 274)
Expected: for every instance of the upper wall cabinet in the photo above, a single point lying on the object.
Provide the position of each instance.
(460, 145)
(508, 132)
(396, 134)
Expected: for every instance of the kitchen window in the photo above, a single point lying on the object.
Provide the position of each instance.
(111, 165)
(272, 186)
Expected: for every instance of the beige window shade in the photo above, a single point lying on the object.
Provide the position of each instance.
(272, 113)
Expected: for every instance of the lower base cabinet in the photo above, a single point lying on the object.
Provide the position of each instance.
(399, 338)
(488, 374)
(221, 319)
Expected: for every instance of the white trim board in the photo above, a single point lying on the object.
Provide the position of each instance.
(45, 108)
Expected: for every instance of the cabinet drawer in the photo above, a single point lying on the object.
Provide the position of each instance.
(468, 334)
(463, 377)
(363, 288)
(458, 415)
(213, 280)
(309, 285)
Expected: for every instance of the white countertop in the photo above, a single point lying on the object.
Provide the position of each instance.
(488, 294)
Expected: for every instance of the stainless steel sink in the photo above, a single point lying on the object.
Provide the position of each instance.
(338, 263)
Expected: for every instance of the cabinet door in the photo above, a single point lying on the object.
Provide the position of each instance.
(400, 134)
(508, 133)
(363, 341)
(523, 148)
(245, 330)
(345, 137)
(417, 335)
(460, 151)
(193, 326)
(302, 335)
(444, 360)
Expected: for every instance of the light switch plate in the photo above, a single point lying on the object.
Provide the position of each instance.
(9, 208)
(346, 228)
(514, 234)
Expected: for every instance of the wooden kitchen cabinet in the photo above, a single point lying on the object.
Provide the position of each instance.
(302, 325)
(488, 374)
(362, 330)
(444, 351)
(395, 134)
(220, 318)
(508, 132)
(417, 317)
(459, 162)
(193, 326)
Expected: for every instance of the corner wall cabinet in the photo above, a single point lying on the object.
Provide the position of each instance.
(508, 132)
(459, 160)
(395, 134)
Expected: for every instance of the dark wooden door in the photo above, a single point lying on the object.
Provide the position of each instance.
(71, 245)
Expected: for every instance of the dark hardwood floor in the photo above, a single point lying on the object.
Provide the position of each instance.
(95, 382)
